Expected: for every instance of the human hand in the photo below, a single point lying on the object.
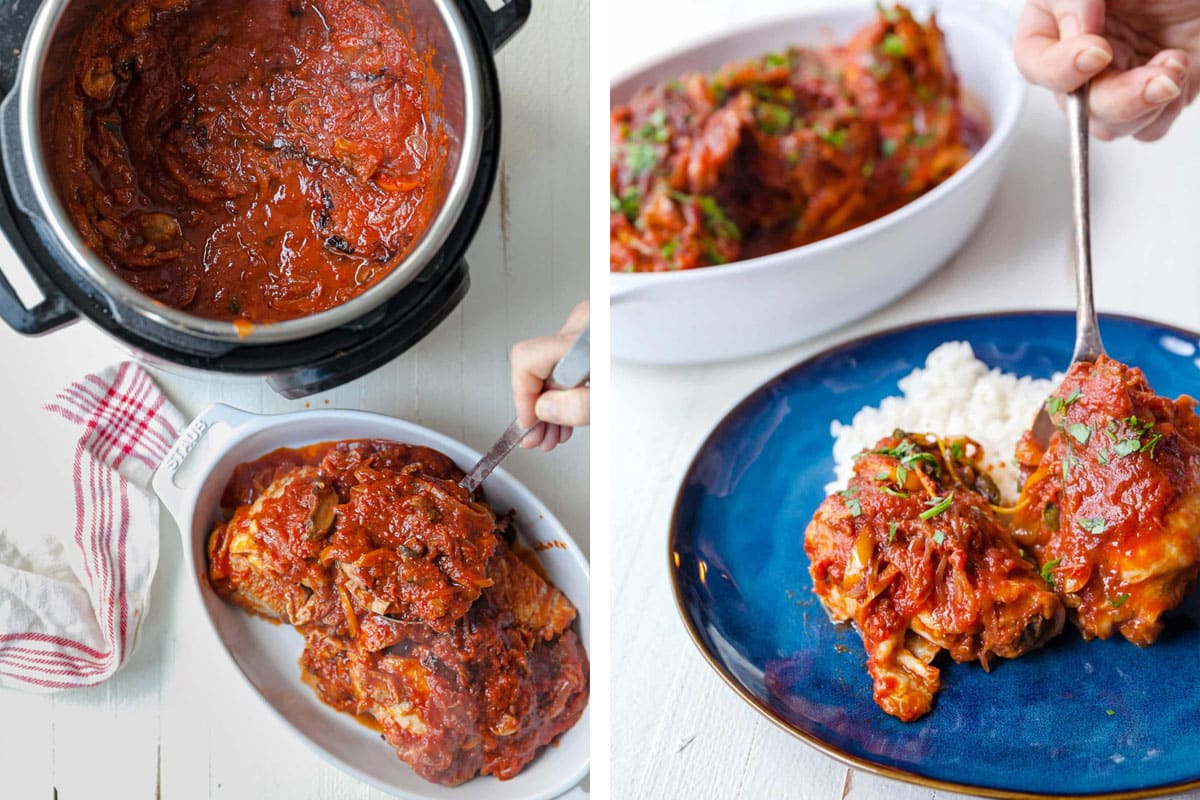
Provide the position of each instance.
(555, 412)
(1142, 56)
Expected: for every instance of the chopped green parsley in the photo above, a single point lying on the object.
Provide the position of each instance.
(853, 504)
(1079, 432)
(937, 505)
(1048, 571)
(894, 45)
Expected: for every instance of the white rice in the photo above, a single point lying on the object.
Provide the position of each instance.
(955, 394)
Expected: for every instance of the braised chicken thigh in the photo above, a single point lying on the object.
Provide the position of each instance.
(1111, 509)
(913, 554)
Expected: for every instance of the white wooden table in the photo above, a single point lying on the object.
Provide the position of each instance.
(176, 722)
(678, 731)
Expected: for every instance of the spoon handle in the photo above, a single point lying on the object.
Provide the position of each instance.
(1088, 346)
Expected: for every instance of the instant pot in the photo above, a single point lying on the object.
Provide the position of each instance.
(298, 357)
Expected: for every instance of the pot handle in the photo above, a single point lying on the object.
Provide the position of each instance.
(55, 310)
(197, 450)
(501, 24)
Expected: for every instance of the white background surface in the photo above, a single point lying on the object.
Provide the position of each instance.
(176, 721)
(678, 731)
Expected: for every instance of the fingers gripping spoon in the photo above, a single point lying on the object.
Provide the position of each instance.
(572, 370)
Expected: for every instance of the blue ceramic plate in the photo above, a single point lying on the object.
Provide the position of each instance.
(1075, 718)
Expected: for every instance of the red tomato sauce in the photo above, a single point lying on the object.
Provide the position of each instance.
(253, 162)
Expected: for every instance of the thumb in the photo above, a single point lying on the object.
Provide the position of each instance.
(564, 407)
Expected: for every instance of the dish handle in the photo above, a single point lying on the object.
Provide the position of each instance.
(193, 455)
(499, 25)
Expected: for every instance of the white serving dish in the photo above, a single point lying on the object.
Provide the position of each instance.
(190, 482)
(762, 304)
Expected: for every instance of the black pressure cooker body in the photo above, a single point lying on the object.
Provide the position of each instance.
(294, 368)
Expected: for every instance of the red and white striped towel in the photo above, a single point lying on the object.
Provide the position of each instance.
(71, 607)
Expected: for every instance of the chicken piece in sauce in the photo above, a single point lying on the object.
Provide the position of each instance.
(783, 150)
(412, 546)
(406, 544)
(481, 670)
(1111, 508)
(266, 558)
(914, 555)
(480, 698)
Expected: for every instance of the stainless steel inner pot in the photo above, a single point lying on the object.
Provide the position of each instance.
(47, 63)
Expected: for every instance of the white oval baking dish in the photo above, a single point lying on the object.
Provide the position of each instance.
(765, 303)
(190, 482)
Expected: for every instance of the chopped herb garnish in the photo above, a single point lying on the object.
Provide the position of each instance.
(1054, 405)
(640, 157)
(775, 60)
(1110, 430)
(1118, 601)
(1102, 457)
(868, 169)
(714, 254)
(938, 505)
(894, 492)
(720, 224)
(627, 203)
(1109, 711)
(882, 476)
(892, 527)
(921, 139)
(1095, 525)
(655, 129)
(1074, 396)
(835, 138)
(1048, 570)
(888, 148)
(938, 537)
(773, 119)
(893, 45)
(669, 249)
(1080, 432)
(853, 504)
(1068, 462)
(1149, 446)
(957, 449)
(1127, 447)
(901, 475)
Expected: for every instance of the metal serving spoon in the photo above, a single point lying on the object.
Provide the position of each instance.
(572, 370)
(1088, 346)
